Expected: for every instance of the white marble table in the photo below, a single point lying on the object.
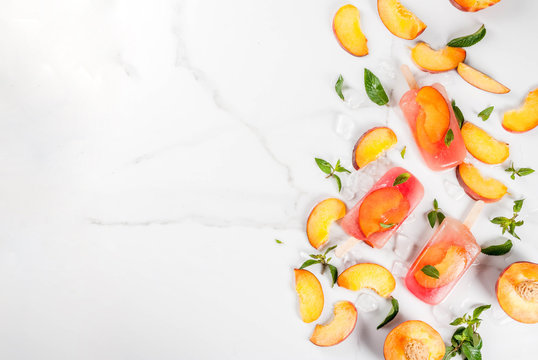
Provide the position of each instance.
(153, 150)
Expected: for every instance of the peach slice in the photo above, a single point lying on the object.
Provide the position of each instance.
(473, 5)
(483, 146)
(398, 20)
(320, 220)
(336, 331)
(525, 118)
(431, 60)
(310, 295)
(450, 266)
(347, 29)
(386, 205)
(477, 187)
(517, 292)
(371, 276)
(371, 145)
(414, 340)
(480, 80)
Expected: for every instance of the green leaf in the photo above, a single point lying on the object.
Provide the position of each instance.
(468, 333)
(470, 352)
(334, 273)
(309, 262)
(484, 114)
(392, 313)
(402, 153)
(458, 114)
(340, 168)
(479, 310)
(374, 89)
(524, 171)
(449, 353)
(435, 204)
(518, 204)
(387, 226)
(469, 40)
(440, 217)
(456, 322)
(338, 87)
(430, 271)
(432, 217)
(324, 166)
(499, 220)
(278, 241)
(403, 177)
(497, 250)
(330, 249)
(449, 137)
(338, 182)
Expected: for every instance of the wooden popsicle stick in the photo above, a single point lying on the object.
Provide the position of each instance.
(408, 75)
(343, 249)
(473, 214)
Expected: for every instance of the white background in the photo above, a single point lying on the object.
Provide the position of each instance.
(151, 152)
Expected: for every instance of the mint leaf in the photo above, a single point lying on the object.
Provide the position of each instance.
(449, 137)
(338, 87)
(402, 153)
(430, 271)
(468, 40)
(458, 114)
(387, 226)
(334, 273)
(484, 114)
(278, 241)
(518, 204)
(440, 217)
(374, 89)
(308, 263)
(392, 313)
(497, 250)
(525, 171)
(479, 310)
(470, 352)
(432, 217)
(338, 182)
(324, 166)
(403, 177)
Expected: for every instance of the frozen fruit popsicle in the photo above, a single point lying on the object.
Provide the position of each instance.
(376, 217)
(451, 251)
(433, 124)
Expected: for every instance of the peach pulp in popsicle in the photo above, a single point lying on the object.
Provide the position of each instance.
(376, 217)
(451, 250)
(434, 126)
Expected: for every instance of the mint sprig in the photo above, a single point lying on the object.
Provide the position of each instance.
(324, 261)
(435, 215)
(466, 340)
(330, 170)
(519, 172)
(338, 87)
(509, 224)
(468, 40)
(374, 89)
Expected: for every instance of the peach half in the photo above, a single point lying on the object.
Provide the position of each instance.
(371, 145)
(525, 118)
(473, 5)
(517, 292)
(370, 276)
(339, 328)
(481, 80)
(450, 262)
(385, 206)
(310, 295)
(320, 220)
(398, 20)
(483, 146)
(435, 61)
(414, 340)
(476, 186)
(347, 29)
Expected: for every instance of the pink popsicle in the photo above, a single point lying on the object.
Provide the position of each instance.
(412, 189)
(444, 157)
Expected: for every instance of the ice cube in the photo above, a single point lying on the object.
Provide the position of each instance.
(366, 302)
(442, 314)
(354, 98)
(399, 269)
(343, 126)
(453, 190)
(403, 246)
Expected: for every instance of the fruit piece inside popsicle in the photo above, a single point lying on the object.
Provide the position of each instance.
(450, 262)
(517, 291)
(310, 295)
(366, 275)
(321, 218)
(524, 118)
(381, 210)
(339, 328)
(414, 340)
(433, 118)
(347, 29)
